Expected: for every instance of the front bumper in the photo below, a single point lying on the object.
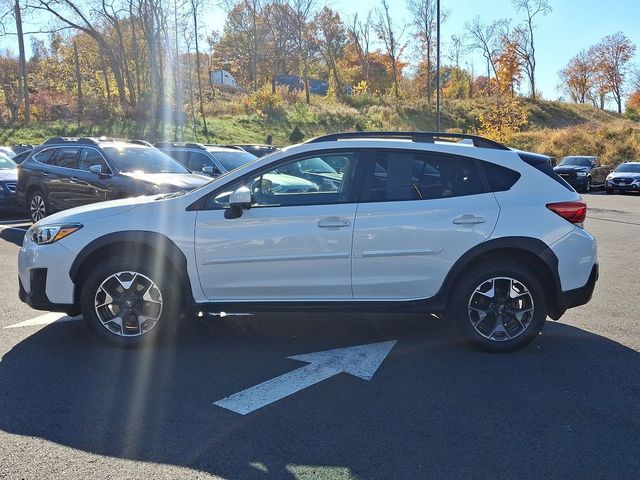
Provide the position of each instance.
(37, 296)
(623, 187)
(9, 201)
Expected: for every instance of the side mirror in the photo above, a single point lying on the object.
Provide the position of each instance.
(239, 200)
(96, 169)
(208, 170)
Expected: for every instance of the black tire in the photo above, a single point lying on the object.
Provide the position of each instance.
(589, 186)
(124, 334)
(464, 295)
(37, 205)
(609, 191)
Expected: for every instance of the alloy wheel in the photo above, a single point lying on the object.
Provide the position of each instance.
(37, 208)
(501, 308)
(128, 304)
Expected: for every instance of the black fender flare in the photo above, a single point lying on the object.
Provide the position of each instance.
(528, 245)
(146, 239)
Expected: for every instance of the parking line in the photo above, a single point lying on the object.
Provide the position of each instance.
(21, 229)
(46, 319)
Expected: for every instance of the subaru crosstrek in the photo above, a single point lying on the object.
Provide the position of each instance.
(490, 238)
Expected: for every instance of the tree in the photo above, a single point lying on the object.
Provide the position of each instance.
(332, 39)
(360, 33)
(22, 61)
(526, 46)
(579, 77)
(301, 15)
(424, 16)
(392, 41)
(508, 67)
(612, 56)
(484, 38)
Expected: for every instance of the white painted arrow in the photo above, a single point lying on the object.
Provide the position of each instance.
(361, 361)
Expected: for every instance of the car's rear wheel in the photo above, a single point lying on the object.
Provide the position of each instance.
(588, 187)
(129, 301)
(499, 306)
(38, 208)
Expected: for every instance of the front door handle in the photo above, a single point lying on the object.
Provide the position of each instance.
(468, 219)
(333, 222)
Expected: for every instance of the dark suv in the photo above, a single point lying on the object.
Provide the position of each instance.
(68, 172)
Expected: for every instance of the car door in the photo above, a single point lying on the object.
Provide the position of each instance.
(61, 181)
(198, 161)
(598, 173)
(419, 213)
(293, 244)
(93, 187)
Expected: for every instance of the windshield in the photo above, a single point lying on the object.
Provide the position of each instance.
(143, 159)
(232, 160)
(6, 163)
(579, 161)
(629, 168)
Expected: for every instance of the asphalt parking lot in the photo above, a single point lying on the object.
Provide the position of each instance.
(567, 406)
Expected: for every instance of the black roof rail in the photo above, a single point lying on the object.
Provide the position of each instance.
(74, 140)
(233, 147)
(179, 144)
(418, 137)
(137, 141)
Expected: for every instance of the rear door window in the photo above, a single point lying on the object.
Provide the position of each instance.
(66, 157)
(44, 156)
(407, 175)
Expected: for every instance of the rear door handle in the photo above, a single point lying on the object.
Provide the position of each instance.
(468, 219)
(74, 179)
(333, 222)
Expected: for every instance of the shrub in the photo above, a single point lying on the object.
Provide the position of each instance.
(296, 135)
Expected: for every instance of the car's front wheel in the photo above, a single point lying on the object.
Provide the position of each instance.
(38, 208)
(128, 301)
(499, 306)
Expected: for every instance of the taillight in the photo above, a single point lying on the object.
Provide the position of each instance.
(574, 212)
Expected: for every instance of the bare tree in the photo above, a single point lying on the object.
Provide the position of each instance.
(332, 39)
(194, 10)
(526, 47)
(424, 14)
(392, 41)
(360, 34)
(486, 39)
(302, 13)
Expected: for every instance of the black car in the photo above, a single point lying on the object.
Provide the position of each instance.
(22, 156)
(8, 180)
(583, 172)
(68, 172)
(256, 149)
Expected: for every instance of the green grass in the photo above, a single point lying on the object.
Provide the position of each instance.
(554, 128)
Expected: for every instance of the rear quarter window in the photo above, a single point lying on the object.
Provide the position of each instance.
(44, 156)
(500, 178)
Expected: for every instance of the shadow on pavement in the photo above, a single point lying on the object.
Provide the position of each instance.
(14, 236)
(565, 407)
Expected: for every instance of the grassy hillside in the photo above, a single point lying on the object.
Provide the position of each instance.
(553, 128)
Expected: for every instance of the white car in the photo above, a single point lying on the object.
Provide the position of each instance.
(489, 237)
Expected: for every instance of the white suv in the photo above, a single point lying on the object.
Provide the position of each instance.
(450, 224)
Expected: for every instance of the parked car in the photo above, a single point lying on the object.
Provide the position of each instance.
(64, 173)
(583, 172)
(21, 157)
(215, 161)
(8, 180)
(256, 149)
(8, 152)
(489, 237)
(625, 178)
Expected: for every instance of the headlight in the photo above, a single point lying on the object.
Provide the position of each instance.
(46, 234)
(582, 174)
(609, 177)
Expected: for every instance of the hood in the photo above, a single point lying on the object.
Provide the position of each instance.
(571, 168)
(170, 181)
(9, 175)
(634, 175)
(97, 210)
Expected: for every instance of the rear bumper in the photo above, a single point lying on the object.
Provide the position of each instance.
(37, 298)
(582, 295)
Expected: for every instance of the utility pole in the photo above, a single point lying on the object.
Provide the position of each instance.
(437, 65)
